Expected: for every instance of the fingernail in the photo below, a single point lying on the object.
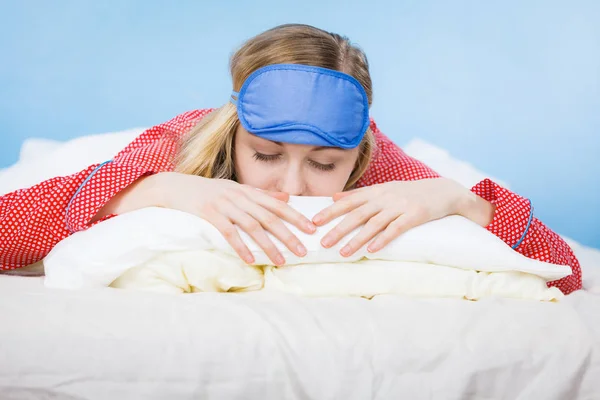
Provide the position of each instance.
(279, 260)
(249, 258)
(326, 242)
(345, 250)
(301, 250)
(310, 227)
(372, 248)
(317, 219)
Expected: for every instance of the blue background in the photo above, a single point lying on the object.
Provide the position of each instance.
(512, 87)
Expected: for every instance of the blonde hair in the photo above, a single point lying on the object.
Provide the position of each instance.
(207, 150)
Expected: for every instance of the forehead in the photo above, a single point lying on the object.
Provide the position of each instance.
(246, 137)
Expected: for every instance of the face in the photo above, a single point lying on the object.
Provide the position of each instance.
(300, 170)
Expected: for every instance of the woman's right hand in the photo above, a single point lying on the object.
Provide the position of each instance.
(223, 203)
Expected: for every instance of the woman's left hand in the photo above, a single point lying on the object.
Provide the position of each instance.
(390, 209)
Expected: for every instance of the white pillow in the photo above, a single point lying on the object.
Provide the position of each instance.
(45, 159)
(34, 148)
(190, 272)
(444, 164)
(205, 271)
(368, 278)
(103, 253)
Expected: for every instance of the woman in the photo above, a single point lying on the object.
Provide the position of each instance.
(297, 124)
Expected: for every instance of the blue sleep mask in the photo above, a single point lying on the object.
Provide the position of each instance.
(301, 104)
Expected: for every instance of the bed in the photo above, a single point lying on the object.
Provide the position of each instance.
(119, 344)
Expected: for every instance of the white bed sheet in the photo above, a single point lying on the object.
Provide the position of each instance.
(117, 344)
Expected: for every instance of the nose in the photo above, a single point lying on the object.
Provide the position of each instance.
(291, 181)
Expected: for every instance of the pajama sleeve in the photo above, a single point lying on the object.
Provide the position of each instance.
(35, 219)
(513, 222)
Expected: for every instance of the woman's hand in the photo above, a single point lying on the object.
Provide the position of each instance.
(223, 203)
(392, 208)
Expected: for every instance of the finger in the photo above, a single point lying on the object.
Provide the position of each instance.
(340, 195)
(351, 221)
(231, 234)
(396, 228)
(339, 208)
(374, 226)
(255, 230)
(283, 211)
(272, 223)
(272, 193)
(282, 196)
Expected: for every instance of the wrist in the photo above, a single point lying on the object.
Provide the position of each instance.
(151, 191)
(476, 209)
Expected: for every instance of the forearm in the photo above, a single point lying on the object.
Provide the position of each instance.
(36, 218)
(144, 192)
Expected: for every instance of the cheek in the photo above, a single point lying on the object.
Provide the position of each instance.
(250, 172)
(329, 183)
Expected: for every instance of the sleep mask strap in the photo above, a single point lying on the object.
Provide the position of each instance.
(234, 97)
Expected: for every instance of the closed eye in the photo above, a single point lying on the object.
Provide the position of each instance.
(266, 157)
(275, 157)
(322, 167)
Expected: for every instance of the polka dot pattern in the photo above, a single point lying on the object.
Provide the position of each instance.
(34, 220)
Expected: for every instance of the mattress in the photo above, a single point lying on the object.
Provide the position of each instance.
(118, 344)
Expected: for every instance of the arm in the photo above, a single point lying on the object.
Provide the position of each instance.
(514, 222)
(33, 220)
(505, 214)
